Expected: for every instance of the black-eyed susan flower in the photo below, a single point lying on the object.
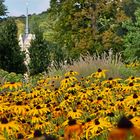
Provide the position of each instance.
(57, 112)
(136, 121)
(38, 110)
(9, 126)
(19, 108)
(67, 81)
(97, 127)
(12, 85)
(75, 113)
(132, 79)
(37, 119)
(124, 128)
(99, 74)
(71, 73)
(73, 130)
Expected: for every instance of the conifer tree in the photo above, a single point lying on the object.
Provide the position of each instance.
(2, 8)
(11, 57)
(39, 53)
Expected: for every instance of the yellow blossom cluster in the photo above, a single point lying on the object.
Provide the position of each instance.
(93, 101)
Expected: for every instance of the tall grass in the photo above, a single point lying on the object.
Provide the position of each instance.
(89, 64)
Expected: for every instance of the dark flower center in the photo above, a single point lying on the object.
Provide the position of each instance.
(66, 97)
(20, 136)
(88, 119)
(97, 122)
(131, 84)
(19, 103)
(78, 103)
(99, 70)
(12, 82)
(99, 98)
(23, 121)
(111, 114)
(121, 99)
(135, 96)
(110, 86)
(71, 121)
(71, 70)
(134, 109)
(4, 120)
(37, 133)
(38, 107)
(130, 117)
(48, 113)
(110, 78)
(131, 107)
(132, 77)
(97, 132)
(57, 109)
(48, 105)
(125, 123)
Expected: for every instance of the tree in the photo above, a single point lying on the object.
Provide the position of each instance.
(39, 53)
(11, 58)
(132, 39)
(87, 25)
(2, 8)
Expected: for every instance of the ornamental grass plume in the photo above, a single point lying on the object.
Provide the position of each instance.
(124, 129)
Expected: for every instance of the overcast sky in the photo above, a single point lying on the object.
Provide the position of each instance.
(18, 7)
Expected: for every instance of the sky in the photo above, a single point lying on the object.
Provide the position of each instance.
(18, 7)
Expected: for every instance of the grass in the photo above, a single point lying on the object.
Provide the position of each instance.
(88, 64)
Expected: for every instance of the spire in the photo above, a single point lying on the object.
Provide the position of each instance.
(27, 20)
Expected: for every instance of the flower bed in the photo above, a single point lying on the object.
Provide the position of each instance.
(94, 102)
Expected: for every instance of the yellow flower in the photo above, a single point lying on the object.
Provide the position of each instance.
(67, 81)
(97, 127)
(131, 87)
(76, 113)
(71, 73)
(132, 79)
(38, 110)
(37, 119)
(8, 126)
(12, 85)
(19, 108)
(132, 99)
(136, 121)
(2, 137)
(99, 74)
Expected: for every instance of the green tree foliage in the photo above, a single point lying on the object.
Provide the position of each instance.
(132, 38)
(87, 25)
(2, 8)
(11, 58)
(57, 56)
(39, 53)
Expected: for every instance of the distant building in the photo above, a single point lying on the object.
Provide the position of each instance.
(25, 42)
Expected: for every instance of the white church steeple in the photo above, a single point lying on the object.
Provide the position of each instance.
(27, 20)
(25, 41)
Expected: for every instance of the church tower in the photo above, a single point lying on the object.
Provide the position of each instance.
(25, 41)
(27, 21)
